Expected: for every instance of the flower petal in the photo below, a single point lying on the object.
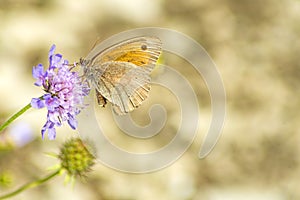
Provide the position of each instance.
(72, 122)
(44, 130)
(51, 133)
(51, 51)
(55, 60)
(37, 103)
(38, 74)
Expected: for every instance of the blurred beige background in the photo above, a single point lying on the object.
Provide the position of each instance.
(255, 45)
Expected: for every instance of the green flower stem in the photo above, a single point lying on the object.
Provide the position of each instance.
(31, 185)
(15, 116)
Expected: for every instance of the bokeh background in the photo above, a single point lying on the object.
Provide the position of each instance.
(255, 45)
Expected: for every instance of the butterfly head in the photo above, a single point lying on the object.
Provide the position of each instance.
(85, 64)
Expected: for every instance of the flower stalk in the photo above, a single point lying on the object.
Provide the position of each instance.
(15, 116)
(75, 159)
(31, 185)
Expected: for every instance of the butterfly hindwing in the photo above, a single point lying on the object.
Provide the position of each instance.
(124, 84)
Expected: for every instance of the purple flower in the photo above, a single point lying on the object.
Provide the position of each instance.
(64, 96)
(21, 134)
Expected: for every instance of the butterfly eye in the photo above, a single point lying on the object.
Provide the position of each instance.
(144, 47)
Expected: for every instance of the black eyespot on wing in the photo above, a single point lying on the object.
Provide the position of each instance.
(144, 47)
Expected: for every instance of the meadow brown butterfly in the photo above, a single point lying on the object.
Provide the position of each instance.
(121, 72)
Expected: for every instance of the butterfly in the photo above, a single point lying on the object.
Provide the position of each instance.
(121, 73)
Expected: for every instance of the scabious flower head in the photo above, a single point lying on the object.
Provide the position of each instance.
(65, 91)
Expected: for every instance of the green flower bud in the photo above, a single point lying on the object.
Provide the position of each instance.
(75, 157)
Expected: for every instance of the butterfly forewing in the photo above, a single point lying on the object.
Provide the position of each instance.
(141, 51)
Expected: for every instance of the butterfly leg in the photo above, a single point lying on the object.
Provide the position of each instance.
(101, 100)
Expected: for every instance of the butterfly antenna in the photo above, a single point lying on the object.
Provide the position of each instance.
(72, 66)
(98, 39)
